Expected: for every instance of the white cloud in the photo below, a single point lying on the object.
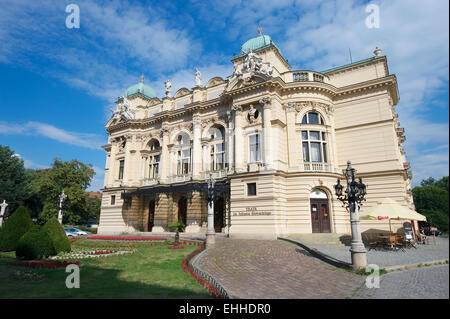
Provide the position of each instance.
(91, 141)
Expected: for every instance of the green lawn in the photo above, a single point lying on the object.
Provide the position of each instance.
(151, 272)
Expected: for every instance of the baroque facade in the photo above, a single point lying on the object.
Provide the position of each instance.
(274, 139)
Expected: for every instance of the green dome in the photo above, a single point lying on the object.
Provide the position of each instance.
(257, 43)
(142, 89)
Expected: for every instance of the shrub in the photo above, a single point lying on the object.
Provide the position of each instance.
(35, 244)
(57, 235)
(14, 228)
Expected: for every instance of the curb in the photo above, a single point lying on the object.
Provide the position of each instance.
(193, 264)
(314, 252)
(341, 264)
(416, 265)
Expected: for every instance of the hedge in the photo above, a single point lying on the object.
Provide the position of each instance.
(35, 244)
(57, 235)
(14, 228)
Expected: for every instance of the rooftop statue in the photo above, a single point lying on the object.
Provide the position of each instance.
(198, 78)
(123, 110)
(168, 86)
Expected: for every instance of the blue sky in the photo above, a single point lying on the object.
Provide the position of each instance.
(57, 84)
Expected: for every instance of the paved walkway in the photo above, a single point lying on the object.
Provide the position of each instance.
(275, 269)
(418, 283)
(384, 258)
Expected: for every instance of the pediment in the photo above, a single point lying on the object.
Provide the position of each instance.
(242, 81)
(182, 92)
(215, 81)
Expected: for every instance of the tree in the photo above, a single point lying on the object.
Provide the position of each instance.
(431, 200)
(13, 179)
(73, 177)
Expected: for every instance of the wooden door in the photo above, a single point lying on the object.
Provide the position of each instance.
(219, 209)
(320, 216)
(151, 215)
(182, 210)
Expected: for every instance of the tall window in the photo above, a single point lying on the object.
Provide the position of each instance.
(314, 146)
(155, 155)
(121, 167)
(217, 148)
(183, 155)
(254, 148)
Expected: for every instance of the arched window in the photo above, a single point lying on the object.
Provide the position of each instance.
(153, 160)
(312, 118)
(217, 147)
(183, 154)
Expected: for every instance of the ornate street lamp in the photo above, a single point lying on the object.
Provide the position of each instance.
(62, 198)
(354, 195)
(2, 212)
(210, 233)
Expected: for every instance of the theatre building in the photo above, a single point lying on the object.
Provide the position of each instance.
(274, 139)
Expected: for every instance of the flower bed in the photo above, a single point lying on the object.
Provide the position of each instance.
(212, 290)
(44, 264)
(137, 238)
(119, 246)
(175, 247)
(91, 254)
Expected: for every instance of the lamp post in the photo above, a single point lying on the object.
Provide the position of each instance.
(2, 212)
(210, 233)
(62, 198)
(355, 193)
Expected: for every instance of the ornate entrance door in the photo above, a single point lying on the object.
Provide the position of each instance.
(182, 210)
(320, 216)
(219, 208)
(151, 215)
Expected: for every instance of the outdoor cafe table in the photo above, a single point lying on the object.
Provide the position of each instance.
(389, 239)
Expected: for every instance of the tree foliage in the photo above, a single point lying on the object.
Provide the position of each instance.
(431, 200)
(73, 177)
(13, 179)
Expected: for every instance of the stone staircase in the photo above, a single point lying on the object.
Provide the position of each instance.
(321, 239)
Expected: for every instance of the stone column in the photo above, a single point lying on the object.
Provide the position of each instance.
(205, 167)
(229, 143)
(267, 128)
(291, 137)
(197, 147)
(112, 174)
(165, 159)
(238, 139)
(127, 170)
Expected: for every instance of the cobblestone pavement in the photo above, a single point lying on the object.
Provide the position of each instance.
(384, 258)
(417, 283)
(275, 269)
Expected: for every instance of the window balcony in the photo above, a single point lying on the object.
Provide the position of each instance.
(181, 178)
(317, 167)
(215, 174)
(149, 181)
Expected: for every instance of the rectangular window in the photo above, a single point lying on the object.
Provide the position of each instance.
(254, 148)
(251, 189)
(315, 152)
(325, 159)
(113, 199)
(305, 152)
(304, 135)
(314, 135)
(121, 167)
